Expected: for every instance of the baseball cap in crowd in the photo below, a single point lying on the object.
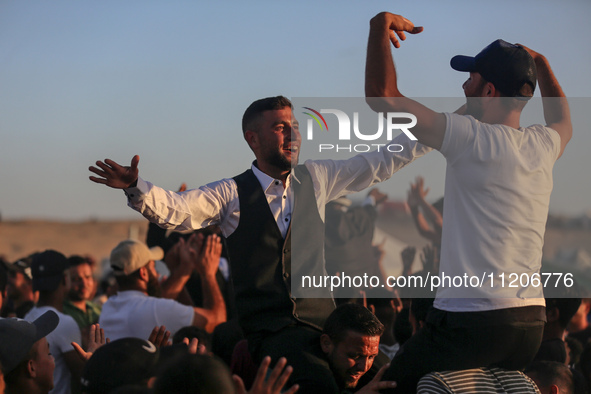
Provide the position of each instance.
(17, 337)
(505, 65)
(22, 265)
(122, 362)
(48, 270)
(131, 255)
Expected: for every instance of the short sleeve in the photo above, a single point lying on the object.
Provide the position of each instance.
(459, 134)
(173, 314)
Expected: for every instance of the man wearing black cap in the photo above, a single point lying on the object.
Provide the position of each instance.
(50, 278)
(497, 190)
(25, 356)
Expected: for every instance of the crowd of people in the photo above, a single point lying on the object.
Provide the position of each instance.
(229, 317)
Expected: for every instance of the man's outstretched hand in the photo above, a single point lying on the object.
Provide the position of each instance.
(114, 175)
(397, 24)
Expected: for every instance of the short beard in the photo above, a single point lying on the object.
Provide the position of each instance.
(280, 161)
(73, 296)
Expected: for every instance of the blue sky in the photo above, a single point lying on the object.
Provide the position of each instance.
(81, 81)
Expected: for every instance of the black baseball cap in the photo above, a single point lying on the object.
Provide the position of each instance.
(505, 65)
(48, 270)
(17, 337)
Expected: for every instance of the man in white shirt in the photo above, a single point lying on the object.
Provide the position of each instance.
(254, 211)
(51, 279)
(134, 311)
(497, 191)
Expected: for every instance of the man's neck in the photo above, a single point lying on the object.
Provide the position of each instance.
(274, 172)
(54, 299)
(79, 304)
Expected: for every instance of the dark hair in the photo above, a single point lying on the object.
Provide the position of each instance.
(126, 281)
(255, 109)
(420, 307)
(567, 307)
(548, 373)
(195, 373)
(191, 332)
(353, 317)
(75, 261)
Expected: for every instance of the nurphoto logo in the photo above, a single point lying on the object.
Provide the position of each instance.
(346, 133)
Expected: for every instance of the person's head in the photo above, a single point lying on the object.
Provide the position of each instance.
(118, 363)
(272, 133)
(81, 279)
(499, 70)
(551, 377)
(134, 266)
(419, 308)
(350, 340)
(579, 320)
(195, 373)
(19, 284)
(25, 356)
(49, 271)
(191, 332)
(561, 310)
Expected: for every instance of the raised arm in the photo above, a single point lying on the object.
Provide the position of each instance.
(115, 175)
(381, 86)
(556, 109)
(214, 307)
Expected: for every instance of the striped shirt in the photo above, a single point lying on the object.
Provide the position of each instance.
(478, 380)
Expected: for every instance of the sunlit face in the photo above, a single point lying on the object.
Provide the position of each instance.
(350, 358)
(279, 139)
(44, 364)
(82, 283)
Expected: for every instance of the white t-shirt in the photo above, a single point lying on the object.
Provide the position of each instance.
(59, 340)
(134, 314)
(497, 192)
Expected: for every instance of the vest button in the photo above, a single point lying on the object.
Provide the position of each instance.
(295, 315)
(286, 275)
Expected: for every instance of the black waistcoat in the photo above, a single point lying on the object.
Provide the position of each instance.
(261, 259)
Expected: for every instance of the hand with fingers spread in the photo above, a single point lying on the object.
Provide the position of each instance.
(375, 385)
(160, 337)
(115, 175)
(274, 384)
(96, 339)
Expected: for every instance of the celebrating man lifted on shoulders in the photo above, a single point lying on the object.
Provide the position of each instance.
(497, 191)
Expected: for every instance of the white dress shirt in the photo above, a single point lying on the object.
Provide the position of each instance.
(217, 202)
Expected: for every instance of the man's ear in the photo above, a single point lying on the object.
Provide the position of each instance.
(252, 139)
(31, 369)
(554, 389)
(144, 275)
(326, 343)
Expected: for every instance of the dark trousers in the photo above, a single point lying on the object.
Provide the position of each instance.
(507, 338)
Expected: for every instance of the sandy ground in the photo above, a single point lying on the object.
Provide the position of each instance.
(94, 238)
(97, 238)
